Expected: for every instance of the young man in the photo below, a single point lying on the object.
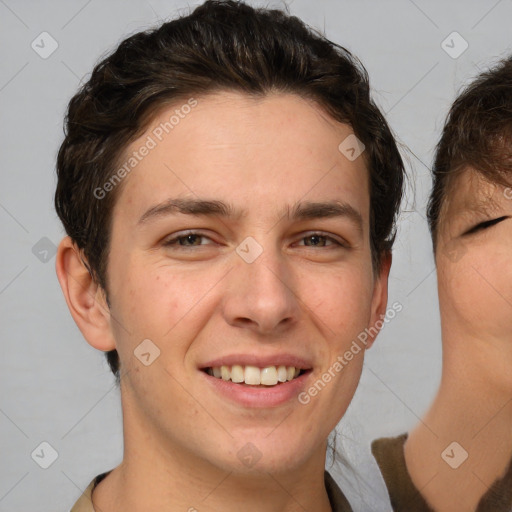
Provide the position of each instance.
(229, 191)
(460, 456)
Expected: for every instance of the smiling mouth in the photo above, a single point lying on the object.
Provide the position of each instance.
(256, 377)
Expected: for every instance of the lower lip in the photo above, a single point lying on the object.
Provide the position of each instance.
(248, 396)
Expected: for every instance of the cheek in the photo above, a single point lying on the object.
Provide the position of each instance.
(493, 289)
(479, 290)
(341, 301)
(154, 302)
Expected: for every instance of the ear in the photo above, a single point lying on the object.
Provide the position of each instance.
(86, 300)
(379, 299)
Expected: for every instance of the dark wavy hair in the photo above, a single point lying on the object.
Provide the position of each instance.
(477, 134)
(220, 46)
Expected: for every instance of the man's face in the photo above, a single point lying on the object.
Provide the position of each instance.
(263, 286)
(474, 267)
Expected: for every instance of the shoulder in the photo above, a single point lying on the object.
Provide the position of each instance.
(389, 454)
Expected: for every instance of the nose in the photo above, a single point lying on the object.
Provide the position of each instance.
(260, 295)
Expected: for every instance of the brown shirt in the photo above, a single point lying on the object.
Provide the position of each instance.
(338, 501)
(389, 454)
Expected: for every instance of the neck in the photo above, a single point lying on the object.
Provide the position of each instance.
(473, 408)
(157, 474)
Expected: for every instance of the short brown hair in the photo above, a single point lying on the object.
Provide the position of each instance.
(219, 46)
(477, 134)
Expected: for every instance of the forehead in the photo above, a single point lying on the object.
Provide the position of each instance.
(279, 147)
(469, 197)
(469, 191)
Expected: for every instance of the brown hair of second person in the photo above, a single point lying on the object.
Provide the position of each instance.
(477, 134)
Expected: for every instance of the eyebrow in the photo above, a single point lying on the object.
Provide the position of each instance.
(306, 210)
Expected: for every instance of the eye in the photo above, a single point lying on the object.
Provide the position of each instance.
(484, 225)
(320, 240)
(189, 239)
(193, 239)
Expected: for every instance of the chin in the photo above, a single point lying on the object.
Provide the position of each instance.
(263, 455)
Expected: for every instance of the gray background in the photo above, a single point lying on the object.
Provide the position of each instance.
(54, 386)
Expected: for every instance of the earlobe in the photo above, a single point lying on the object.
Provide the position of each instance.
(380, 299)
(85, 298)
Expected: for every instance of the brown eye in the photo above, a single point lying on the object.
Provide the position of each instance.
(190, 239)
(316, 240)
(320, 240)
(484, 225)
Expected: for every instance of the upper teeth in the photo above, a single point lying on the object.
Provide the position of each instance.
(268, 376)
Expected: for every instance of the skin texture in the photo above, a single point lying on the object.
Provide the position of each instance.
(309, 297)
(472, 406)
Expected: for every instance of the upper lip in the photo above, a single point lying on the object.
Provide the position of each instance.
(261, 361)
